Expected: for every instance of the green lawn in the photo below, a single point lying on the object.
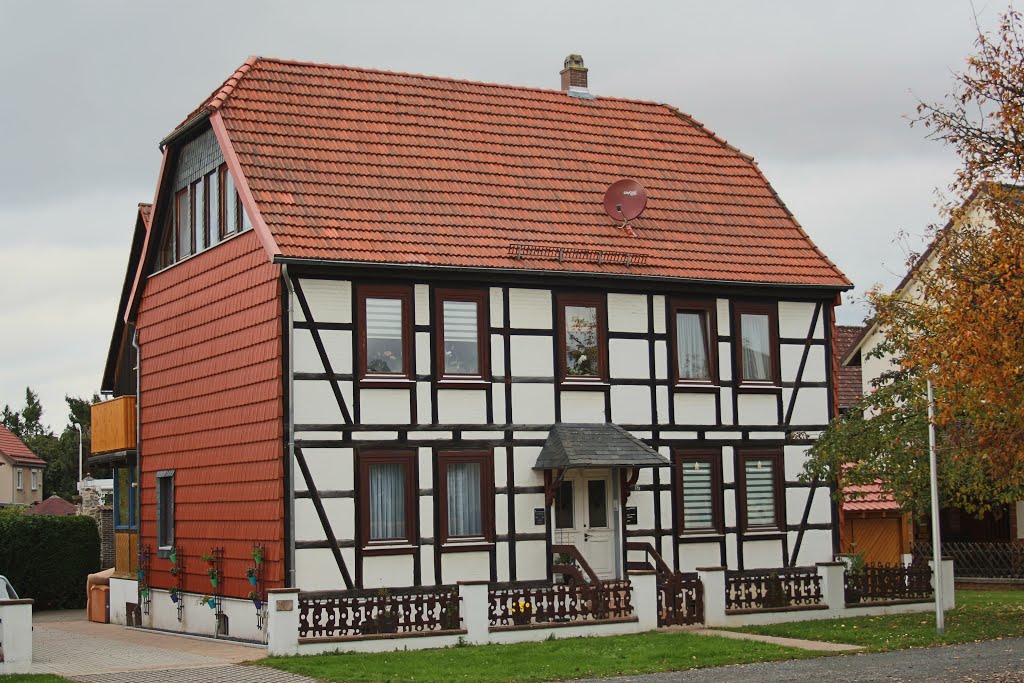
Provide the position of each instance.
(545, 661)
(33, 678)
(979, 615)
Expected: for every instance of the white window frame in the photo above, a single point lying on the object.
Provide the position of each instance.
(35, 480)
(19, 479)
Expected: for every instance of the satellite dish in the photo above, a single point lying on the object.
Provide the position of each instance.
(625, 200)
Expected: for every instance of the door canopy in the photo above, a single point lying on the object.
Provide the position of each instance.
(571, 446)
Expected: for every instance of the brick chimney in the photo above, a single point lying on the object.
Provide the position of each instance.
(574, 75)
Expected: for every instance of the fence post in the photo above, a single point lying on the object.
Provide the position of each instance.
(713, 579)
(283, 621)
(474, 610)
(16, 636)
(644, 584)
(948, 582)
(833, 584)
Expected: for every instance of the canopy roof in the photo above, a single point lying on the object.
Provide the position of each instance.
(571, 446)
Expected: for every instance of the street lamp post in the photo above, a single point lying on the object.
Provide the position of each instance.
(940, 616)
(79, 428)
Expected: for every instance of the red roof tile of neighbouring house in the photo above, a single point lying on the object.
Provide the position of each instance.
(849, 384)
(54, 505)
(359, 165)
(13, 448)
(867, 498)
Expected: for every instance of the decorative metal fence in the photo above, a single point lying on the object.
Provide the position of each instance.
(518, 604)
(885, 582)
(328, 614)
(772, 588)
(680, 599)
(979, 559)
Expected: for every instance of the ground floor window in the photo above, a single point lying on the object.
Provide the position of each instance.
(388, 500)
(699, 491)
(761, 490)
(466, 495)
(165, 509)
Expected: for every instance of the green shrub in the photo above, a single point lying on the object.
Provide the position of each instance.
(48, 558)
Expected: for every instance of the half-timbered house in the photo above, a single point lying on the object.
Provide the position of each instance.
(388, 336)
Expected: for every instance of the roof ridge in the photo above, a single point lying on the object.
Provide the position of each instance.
(227, 88)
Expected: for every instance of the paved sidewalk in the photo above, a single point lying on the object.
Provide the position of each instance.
(813, 645)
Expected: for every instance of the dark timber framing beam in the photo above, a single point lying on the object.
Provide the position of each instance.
(324, 521)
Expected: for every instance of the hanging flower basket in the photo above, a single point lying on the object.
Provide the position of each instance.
(253, 575)
(257, 555)
(173, 557)
(208, 601)
(208, 558)
(141, 574)
(257, 600)
(174, 595)
(144, 593)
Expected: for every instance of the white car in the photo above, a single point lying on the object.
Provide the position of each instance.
(7, 591)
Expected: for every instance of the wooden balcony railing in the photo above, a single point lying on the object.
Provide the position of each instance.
(113, 425)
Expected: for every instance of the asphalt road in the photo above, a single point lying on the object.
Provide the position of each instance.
(995, 660)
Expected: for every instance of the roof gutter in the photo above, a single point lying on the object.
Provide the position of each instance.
(185, 128)
(338, 263)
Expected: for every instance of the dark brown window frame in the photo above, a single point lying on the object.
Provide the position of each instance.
(709, 308)
(482, 298)
(226, 230)
(486, 460)
(374, 379)
(186, 193)
(778, 483)
(757, 308)
(214, 236)
(408, 458)
(199, 223)
(599, 301)
(714, 458)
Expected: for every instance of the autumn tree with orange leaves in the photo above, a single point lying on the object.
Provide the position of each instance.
(962, 325)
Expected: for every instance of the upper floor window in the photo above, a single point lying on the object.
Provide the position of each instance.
(463, 340)
(385, 332)
(699, 491)
(466, 486)
(183, 223)
(387, 482)
(761, 490)
(19, 482)
(757, 342)
(35, 479)
(582, 330)
(694, 330)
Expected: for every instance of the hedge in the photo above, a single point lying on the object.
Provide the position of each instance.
(48, 558)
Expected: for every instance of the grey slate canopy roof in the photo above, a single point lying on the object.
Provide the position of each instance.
(595, 445)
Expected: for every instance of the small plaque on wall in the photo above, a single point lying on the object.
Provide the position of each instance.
(538, 516)
(631, 516)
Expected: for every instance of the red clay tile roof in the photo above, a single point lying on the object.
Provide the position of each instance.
(13, 448)
(867, 498)
(54, 505)
(850, 380)
(361, 165)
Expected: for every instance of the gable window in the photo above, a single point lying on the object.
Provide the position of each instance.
(757, 345)
(35, 479)
(761, 490)
(165, 509)
(385, 329)
(694, 331)
(199, 215)
(463, 335)
(213, 227)
(466, 496)
(19, 482)
(582, 327)
(699, 491)
(228, 203)
(183, 223)
(388, 497)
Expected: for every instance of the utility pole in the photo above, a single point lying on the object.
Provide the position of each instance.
(940, 616)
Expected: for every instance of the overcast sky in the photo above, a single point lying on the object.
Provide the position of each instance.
(818, 92)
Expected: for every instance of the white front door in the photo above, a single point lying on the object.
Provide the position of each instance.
(584, 517)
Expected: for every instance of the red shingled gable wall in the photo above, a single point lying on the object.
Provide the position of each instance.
(210, 335)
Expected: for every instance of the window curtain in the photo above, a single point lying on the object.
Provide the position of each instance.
(691, 343)
(756, 352)
(465, 514)
(387, 501)
(760, 492)
(697, 504)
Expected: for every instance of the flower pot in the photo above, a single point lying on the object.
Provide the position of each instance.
(213, 581)
(212, 603)
(258, 603)
(520, 619)
(174, 597)
(173, 557)
(144, 592)
(253, 580)
(141, 574)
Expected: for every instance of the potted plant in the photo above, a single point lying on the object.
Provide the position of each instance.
(520, 611)
(175, 570)
(208, 558)
(173, 593)
(212, 573)
(386, 619)
(209, 601)
(144, 592)
(252, 573)
(256, 599)
(257, 555)
(774, 593)
(855, 567)
(451, 618)
(141, 573)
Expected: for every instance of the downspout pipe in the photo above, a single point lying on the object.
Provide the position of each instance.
(290, 465)
(138, 439)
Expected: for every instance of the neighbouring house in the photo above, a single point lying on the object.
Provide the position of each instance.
(21, 471)
(979, 546)
(872, 523)
(54, 505)
(378, 331)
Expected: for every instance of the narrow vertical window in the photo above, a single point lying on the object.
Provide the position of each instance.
(166, 257)
(201, 224)
(762, 490)
(20, 479)
(35, 479)
(582, 331)
(246, 223)
(122, 497)
(696, 342)
(466, 496)
(462, 343)
(165, 509)
(385, 333)
(229, 203)
(213, 211)
(183, 218)
(699, 491)
(565, 506)
(388, 498)
(758, 344)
